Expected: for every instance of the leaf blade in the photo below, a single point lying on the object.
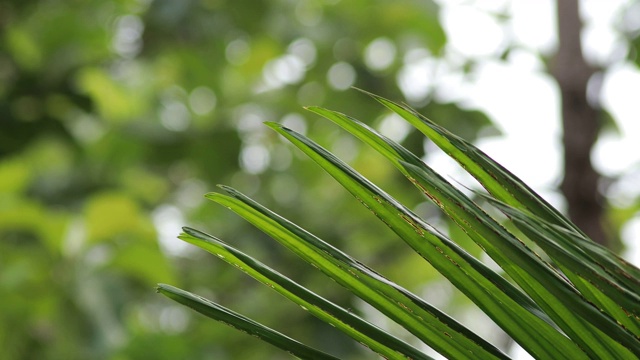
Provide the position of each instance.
(371, 336)
(405, 161)
(444, 254)
(507, 187)
(430, 325)
(483, 230)
(242, 323)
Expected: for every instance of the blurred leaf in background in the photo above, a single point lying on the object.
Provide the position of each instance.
(115, 118)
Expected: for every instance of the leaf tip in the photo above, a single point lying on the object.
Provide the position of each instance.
(226, 188)
(313, 108)
(161, 288)
(272, 124)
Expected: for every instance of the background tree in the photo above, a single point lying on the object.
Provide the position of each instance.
(580, 124)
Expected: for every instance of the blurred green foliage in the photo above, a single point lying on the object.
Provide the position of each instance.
(115, 118)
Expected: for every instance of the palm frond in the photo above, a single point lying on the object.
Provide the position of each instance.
(584, 304)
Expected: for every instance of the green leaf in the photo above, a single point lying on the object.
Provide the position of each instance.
(498, 181)
(590, 277)
(371, 336)
(581, 321)
(507, 187)
(548, 289)
(430, 325)
(584, 304)
(537, 279)
(515, 311)
(241, 323)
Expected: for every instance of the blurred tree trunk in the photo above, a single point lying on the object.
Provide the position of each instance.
(580, 123)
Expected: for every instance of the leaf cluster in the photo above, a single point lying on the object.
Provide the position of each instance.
(583, 302)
